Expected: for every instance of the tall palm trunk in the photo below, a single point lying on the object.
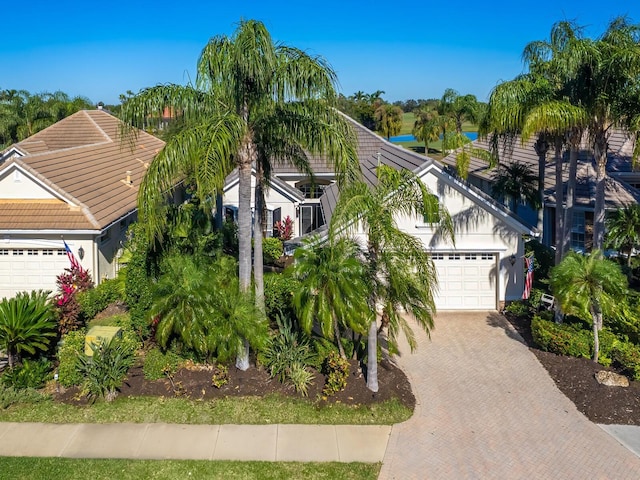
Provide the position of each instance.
(246, 156)
(574, 142)
(542, 147)
(336, 332)
(559, 199)
(372, 336)
(258, 266)
(600, 154)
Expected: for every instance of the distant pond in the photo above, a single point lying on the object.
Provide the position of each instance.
(410, 138)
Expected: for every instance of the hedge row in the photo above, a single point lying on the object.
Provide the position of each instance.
(571, 340)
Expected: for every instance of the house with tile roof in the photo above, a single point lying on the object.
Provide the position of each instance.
(621, 184)
(482, 270)
(74, 180)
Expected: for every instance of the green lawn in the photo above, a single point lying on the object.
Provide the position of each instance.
(19, 468)
(249, 410)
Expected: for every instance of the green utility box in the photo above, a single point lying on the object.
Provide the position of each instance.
(97, 334)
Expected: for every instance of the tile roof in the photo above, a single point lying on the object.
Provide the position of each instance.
(619, 153)
(83, 159)
(42, 215)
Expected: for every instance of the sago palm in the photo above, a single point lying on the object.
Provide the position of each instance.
(332, 288)
(399, 271)
(587, 287)
(26, 324)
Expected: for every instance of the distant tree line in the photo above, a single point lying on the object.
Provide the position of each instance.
(22, 113)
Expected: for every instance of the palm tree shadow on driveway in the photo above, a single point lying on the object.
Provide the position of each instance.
(495, 319)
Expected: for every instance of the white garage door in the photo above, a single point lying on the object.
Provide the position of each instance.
(467, 281)
(30, 269)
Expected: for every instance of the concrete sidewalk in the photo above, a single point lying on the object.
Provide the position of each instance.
(295, 443)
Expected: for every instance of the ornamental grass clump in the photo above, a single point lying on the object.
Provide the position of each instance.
(106, 369)
(288, 355)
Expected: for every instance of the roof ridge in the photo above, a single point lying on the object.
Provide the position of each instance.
(91, 119)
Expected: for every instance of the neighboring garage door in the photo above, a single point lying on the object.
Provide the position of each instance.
(466, 281)
(30, 269)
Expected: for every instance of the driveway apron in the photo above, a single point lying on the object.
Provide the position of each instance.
(487, 409)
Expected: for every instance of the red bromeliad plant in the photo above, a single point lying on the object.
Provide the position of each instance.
(71, 282)
(285, 228)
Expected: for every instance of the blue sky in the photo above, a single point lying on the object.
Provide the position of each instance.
(414, 49)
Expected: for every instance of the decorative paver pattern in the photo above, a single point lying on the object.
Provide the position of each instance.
(487, 409)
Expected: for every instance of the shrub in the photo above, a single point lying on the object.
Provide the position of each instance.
(138, 282)
(106, 369)
(26, 324)
(627, 356)
(300, 377)
(337, 371)
(287, 351)
(71, 347)
(11, 396)
(518, 308)
(70, 283)
(563, 339)
(158, 364)
(30, 374)
(285, 228)
(220, 375)
(272, 249)
(95, 300)
(278, 295)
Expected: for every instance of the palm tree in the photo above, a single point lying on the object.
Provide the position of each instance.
(427, 126)
(623, 230)
(608, 78)
(400, 272)
(27, 324)
(460, 108)
(587, 287)
(251, 95)
(517, 183)
(332, 288)
(389, 119)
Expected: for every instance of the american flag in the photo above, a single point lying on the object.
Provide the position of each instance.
(72, 257)
(528, 281)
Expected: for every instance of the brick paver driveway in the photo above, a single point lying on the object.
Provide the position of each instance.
(488, 410)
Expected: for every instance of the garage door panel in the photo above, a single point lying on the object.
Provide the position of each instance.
(467, 281)
(32, 271)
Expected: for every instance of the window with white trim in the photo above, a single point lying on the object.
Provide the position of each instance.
(47, 251)
(18, 252)
(437, 256)
(32, 252)
(454, 256)
(4, 251)
(470, 256)
(486, 256)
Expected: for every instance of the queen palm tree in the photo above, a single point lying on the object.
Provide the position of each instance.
(427, 126)
(608, 78)
(517, 183)
(332, 288)
(249, 92)
(400, 272)
(587, 287)
(623, 229)
(389, 120)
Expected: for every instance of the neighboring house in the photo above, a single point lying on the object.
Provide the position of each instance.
(620, 185)
(74, 180)
(481, 271)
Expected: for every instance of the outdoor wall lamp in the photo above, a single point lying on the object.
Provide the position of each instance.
(81, 252)
(512, 259)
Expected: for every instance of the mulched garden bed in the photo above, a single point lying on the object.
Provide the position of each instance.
(195, 382)
(575, 377)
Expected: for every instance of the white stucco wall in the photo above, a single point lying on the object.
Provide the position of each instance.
(14, 184)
